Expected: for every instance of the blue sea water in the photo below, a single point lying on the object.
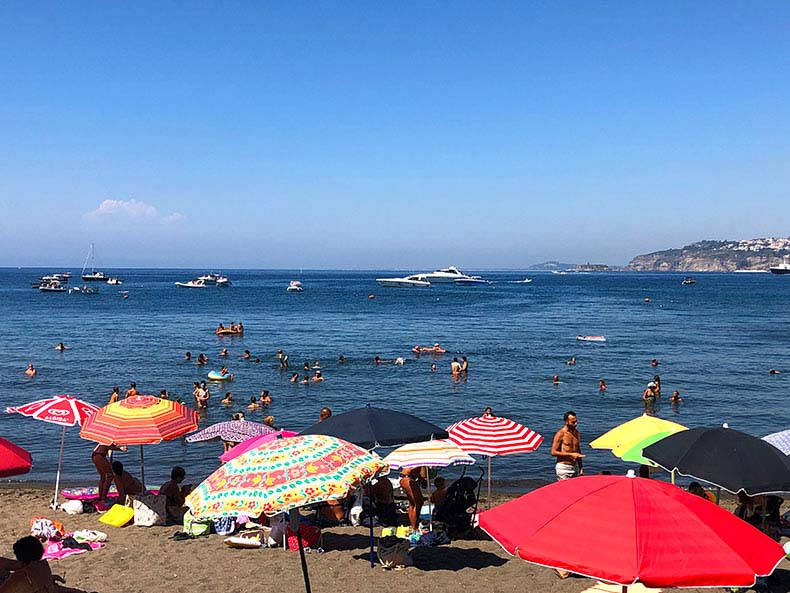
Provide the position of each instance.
(715, 341)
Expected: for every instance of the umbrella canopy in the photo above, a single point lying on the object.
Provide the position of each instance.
(626, 530)
(438, 453)
(63, 410)
(780, 440)
(371, 427)
(625, 436)
(634, 453)
(724, 457)
(139, 420)
(254, 443)
(234, 431)
(282, 475)
(493, 435)
(14, 460)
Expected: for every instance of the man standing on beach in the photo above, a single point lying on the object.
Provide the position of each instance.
(566, 448)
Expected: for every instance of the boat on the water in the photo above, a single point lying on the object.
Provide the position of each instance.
(195, 283)
(84, 289)
(295, 286)
(114, 281)
(213, 278)
(93, 275)
(52, 286)
(688, 280)
(524, 281)
(783, 268)
(445, 275)
(414, 281)
(591, 338)
(470, 281)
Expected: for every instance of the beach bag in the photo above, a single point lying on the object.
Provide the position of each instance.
(225, 525)
(195, 528)
(118, 515)
(149, 509)
(72, 507)
(394, 551)
(310, 536)
(47, 529)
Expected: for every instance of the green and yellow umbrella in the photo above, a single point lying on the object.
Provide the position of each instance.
(627, 440)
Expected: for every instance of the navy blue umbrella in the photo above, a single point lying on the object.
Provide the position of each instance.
(371, 427)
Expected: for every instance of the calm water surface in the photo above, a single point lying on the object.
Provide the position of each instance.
(715, 340)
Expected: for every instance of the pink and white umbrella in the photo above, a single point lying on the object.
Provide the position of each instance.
(64, 410)
(493, 435)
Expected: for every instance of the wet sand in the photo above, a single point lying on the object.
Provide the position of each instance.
(146, 559)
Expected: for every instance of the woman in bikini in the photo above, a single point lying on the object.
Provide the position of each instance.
(103, 466)
(410, 482)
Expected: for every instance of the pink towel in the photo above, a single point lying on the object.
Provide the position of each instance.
(56, 551)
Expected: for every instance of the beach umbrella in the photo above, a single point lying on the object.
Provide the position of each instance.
(493, 435)
(234, 431)
(625, 530)
(283, 475)
(628, 439)
(63, 410)
(780, 440)
(254, 443)
(14, 460)
(371, 427)
(724, 457)
(139, 420)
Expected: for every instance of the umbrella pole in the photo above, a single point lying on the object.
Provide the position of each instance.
(370, 520)
(142, 467)
(488, 497)
(54, 504)
(672, 474)
(293, 516)
(718, 495)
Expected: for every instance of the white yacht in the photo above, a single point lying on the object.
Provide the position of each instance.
(414, 281)
(295, 286)
(783, 268)
(114, 281)
(196, 283)
(213, 278)
(470, 281)
(52, 286)
(445, 275)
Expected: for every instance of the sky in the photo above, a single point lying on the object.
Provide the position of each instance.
(405, 135)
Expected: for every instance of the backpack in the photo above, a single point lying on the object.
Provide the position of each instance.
(195, 528)
(224, 525)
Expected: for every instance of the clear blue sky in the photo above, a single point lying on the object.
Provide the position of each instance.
(388, 135)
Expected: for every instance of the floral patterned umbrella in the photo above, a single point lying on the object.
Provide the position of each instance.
(234, 431)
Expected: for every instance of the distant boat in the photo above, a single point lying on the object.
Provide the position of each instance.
(84, 289)
(470, 281)
(783, 268)
(524, 281)
(93, 275)
(196, 283)
(688, 280)
(445, 275)
(295, 286)
(591, 338)
(52, 286)
(114, 281)
(213, 278)
(414, 281)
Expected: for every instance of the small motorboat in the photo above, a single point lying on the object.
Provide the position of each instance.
(52, 286)
(591, 338)
(295, 286)
(524, 281)
(688, 280)
(222, 281)
(196, 283)
(212, 279)
(414, 281)
(114, 281)
(84, 289)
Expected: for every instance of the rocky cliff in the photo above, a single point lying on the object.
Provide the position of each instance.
(715, 256)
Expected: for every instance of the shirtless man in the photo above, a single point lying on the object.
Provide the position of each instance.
(30, 371)
(455, 367)
(566, 448)
(132, 391)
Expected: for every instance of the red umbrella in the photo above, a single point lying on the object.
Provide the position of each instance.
(493, 435)
(626, 530)
(64, 410)
(14, 460)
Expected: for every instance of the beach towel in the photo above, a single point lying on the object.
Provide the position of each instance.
(195, 528)
(56, 551)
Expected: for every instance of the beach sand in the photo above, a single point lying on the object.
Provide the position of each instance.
(146, 559)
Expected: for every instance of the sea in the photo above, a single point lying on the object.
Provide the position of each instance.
(715, 342)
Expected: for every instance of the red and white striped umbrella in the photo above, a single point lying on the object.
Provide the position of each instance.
(493, 435)
(63, 410)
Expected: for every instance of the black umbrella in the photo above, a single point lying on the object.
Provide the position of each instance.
(371, 427)
(725, 457)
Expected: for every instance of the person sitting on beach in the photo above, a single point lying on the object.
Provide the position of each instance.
(115, 395)
(175, 493)
(410, 482)
(246, 355)
(265, 398)
(294, 378)
(30, 371)
(324, 414)
(318, 377)
(29, 573)
(102, 464)
(253, 405)
(305, 380)
(439, 495)
(125, 483)
(132, 391)
(697, 489)
(228, 399)
(601, 385)
(383, 497)
(61, 347)
(223, 352)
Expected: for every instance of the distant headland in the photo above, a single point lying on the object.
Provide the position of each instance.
(751, 255)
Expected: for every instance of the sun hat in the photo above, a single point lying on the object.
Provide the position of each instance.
(651, 384)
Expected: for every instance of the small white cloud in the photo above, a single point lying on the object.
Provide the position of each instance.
(130, 210)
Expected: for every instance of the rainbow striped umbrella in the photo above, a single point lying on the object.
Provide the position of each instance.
(140, 420)
(63, 410)
(438, 453)
(493, 435)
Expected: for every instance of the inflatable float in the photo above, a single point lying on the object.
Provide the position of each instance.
(226, 331)
(215, 376)
(591, 338)
(428, 350)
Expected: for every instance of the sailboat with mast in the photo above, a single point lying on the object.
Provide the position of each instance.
(93, 275)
